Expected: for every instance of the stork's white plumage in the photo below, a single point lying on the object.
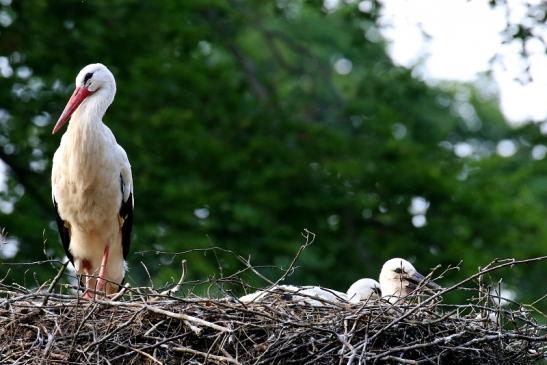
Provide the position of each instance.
(92, 186)
(363, 290)
(315, 296)
(399, 278)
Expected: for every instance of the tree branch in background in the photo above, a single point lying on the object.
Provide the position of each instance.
(249, 70)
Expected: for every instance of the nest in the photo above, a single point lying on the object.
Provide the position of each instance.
(145, 327)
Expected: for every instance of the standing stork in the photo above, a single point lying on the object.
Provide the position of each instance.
(92, 187)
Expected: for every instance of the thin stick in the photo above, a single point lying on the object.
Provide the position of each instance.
(217, 358)
(309, 237)
(54, 282)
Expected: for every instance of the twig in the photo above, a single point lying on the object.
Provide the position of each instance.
(309, 238)
(54, 282)
(112, 333)
(217, 358)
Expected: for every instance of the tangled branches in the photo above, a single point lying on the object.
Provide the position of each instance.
(142, 325)
(159, 329)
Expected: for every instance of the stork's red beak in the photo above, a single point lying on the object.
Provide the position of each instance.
(75, 100)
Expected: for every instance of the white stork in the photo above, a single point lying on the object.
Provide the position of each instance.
(399, 278)
(315, 296)
(92, 187)
(363, 290)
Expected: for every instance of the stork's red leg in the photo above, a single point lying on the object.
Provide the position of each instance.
(88, 293)
(101, 282)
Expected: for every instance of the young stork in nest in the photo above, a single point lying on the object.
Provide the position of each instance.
(399, 278)
(363, 290)
(92, 186)
(314, 296)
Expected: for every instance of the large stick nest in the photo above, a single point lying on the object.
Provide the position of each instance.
(144, 327)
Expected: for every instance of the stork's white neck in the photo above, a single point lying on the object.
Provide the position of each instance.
(86, 131)
(92, 109)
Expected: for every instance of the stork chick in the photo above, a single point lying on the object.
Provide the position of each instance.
(314, 296)
(92, 186)
(363, 290)
(399, 278)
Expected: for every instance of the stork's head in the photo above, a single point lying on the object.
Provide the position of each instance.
(93, 81)
(363, 290)
(399, 278)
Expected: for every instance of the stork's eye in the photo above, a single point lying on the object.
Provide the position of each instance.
(398, 270)
(88, 76)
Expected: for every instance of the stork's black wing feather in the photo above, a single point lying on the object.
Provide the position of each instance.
(126, 212)
(64, 232)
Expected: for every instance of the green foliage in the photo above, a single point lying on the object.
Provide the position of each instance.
(241, 133)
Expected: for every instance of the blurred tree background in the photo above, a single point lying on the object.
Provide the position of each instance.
(247, 122)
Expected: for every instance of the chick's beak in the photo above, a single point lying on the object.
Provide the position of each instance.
(417, 278)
